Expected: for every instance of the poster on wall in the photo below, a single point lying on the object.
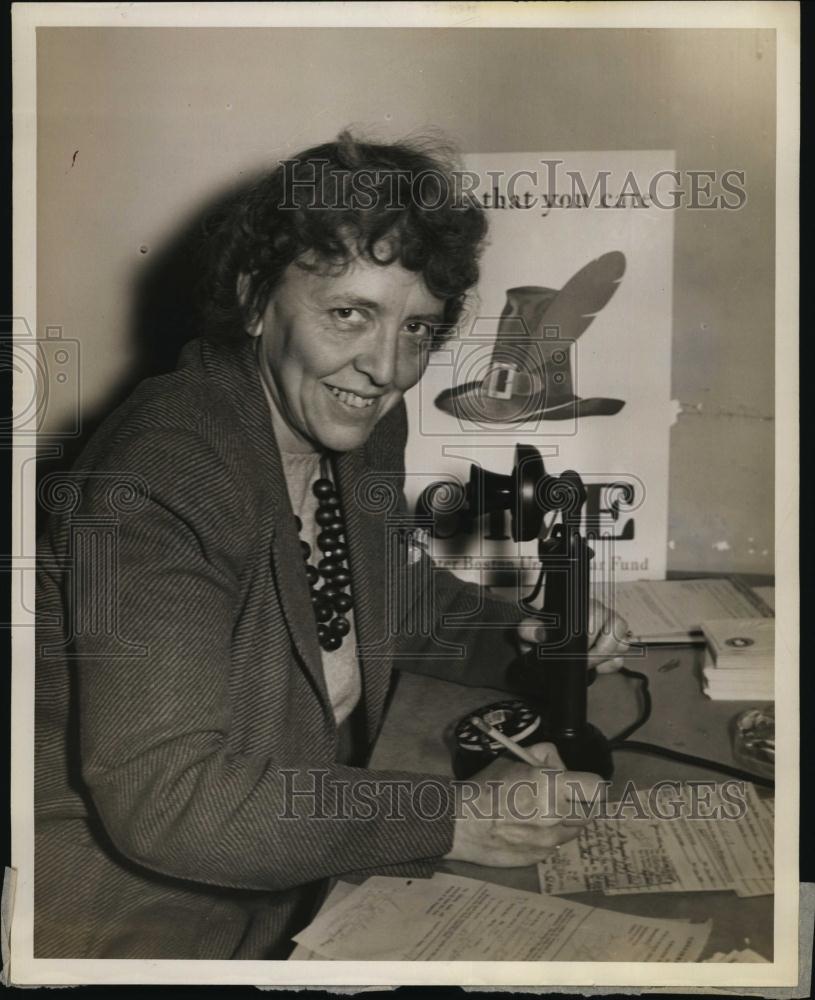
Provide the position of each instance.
(565, 348)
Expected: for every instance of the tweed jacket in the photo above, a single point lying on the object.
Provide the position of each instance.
(187, 783)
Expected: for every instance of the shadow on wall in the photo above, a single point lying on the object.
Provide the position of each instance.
(166, 311)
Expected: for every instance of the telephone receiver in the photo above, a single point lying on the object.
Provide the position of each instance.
(554, 676)
(517, 493)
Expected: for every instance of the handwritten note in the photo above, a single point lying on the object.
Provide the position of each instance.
(449, 918)
(683, 854)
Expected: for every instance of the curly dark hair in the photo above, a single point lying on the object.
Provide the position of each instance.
(332, 203)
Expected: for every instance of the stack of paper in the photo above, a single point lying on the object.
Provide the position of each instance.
(672, 611)
(449, 918)
(740, 659)
(742, 955)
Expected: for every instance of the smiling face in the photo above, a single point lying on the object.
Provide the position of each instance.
(337, 352)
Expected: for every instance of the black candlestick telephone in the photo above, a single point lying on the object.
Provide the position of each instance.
(553, 677)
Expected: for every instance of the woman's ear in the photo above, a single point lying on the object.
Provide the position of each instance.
(253, 322)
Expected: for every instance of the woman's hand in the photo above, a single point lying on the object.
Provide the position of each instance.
(512, 814)
(606, 631)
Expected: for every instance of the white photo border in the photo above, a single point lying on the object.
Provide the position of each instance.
(783, 17)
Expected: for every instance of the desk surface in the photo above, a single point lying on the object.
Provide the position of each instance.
(417, 735)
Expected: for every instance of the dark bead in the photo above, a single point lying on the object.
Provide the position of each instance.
(331, 642)
(322, 631)
(328, 568)
(325, 518)
(340, 577)
(322, 611)
(340, 626)
(305, 548)
(339, 552)
(329, 592)
(298, 523)
(312, 574)
(335, 525)
(342, 602)
(328, 539)
(323, 488)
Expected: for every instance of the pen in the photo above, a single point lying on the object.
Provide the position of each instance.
(505, 741)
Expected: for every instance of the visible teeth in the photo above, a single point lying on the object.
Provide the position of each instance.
(351, 398)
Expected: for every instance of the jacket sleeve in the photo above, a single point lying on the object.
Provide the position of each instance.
(468, 636)
(154, 725)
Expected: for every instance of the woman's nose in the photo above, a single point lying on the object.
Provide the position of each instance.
(378, 359)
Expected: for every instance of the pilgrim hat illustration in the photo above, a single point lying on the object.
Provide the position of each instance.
(530, 373)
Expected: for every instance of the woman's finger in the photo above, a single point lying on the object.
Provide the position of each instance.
(609, 666)
(554, 836)
(603, 621)
(607, 644)
(584, 792)
(531, 632)
(547, 755)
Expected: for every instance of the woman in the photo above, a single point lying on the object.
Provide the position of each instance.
(191, 761)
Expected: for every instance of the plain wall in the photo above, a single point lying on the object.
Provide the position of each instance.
(140, 128)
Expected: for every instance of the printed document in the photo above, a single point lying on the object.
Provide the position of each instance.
(449, 918)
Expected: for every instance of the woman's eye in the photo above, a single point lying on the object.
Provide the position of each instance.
(418, 330)
(348, 314)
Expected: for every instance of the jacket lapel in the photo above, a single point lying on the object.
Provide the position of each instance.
(236, 371)
(366, 534)
(295, 599)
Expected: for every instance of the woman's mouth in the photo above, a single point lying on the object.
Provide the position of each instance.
(351, 399)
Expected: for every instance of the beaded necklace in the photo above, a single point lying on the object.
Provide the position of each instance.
(332, 600)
